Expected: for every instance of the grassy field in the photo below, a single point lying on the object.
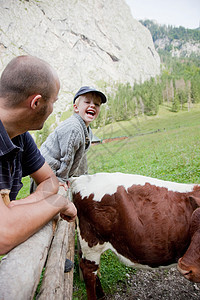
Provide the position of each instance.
(166, 146)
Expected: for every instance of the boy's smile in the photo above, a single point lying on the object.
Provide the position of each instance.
(88, 107)
(91, 112)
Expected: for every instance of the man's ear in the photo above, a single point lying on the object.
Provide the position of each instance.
(35, 101)
(75, 108)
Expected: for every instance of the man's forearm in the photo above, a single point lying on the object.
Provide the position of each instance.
(48, 187)
(46, 180)
(45, 189)
(21, 221)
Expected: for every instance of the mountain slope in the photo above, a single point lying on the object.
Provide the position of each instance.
(88, 42)
(178, 41)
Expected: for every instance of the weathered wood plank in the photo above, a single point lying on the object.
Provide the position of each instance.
(5, 196)
(20, 269)
(68, 277)
(52, 287)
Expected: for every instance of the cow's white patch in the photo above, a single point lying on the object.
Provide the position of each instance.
(100, 184)
(91, 253)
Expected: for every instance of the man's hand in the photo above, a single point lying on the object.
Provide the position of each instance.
(65, 185)
(70, 213)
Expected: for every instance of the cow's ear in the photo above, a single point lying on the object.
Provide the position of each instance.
(194, 201)
(195, 222)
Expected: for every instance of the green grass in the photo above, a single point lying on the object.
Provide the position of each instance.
(169, 155)
(24, 192)
(165, 120)
(166, 146)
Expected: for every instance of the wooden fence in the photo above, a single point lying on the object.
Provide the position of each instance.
(21, 268)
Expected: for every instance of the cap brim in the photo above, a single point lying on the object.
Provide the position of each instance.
(103, 97)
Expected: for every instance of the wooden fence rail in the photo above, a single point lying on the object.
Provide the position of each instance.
(21, 268)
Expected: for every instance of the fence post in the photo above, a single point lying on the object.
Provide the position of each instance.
(68, 277)
(21, 268)
(56, 285)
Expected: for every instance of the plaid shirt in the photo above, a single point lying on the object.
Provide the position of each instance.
(18, 157)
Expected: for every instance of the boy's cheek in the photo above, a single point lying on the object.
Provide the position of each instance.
(98, 112)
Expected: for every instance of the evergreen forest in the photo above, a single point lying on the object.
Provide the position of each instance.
(177, 86)
(171, 32)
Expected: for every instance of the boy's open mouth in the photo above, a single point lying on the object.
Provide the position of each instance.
(90, 112)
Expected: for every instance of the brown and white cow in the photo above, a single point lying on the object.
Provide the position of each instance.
(143, 220)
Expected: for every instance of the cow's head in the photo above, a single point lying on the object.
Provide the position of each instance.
(190, 270)
(189, 264)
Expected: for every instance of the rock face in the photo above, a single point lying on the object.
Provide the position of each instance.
(178, 47)
(89, 42)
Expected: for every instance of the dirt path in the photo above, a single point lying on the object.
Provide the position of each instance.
(157, 284)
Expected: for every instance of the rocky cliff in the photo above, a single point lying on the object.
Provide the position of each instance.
(178, 48)
(89, 42)
(176, 41)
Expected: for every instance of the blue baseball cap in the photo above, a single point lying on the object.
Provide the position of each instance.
(87, 89)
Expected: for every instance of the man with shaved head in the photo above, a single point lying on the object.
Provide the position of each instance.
(29, 87)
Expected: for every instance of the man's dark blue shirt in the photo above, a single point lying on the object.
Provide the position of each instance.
(19, 157)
